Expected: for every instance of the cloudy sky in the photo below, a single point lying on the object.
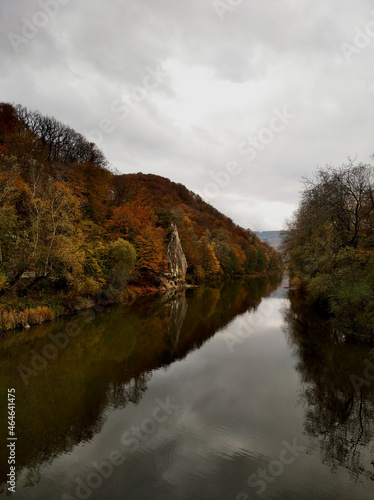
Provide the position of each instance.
(236, 99)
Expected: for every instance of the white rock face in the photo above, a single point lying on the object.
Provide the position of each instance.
(177, 259)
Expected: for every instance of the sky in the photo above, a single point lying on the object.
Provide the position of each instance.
(236, 99)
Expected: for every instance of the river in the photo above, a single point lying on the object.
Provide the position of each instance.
(236, 392)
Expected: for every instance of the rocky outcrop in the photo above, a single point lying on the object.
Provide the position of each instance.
(176, 257)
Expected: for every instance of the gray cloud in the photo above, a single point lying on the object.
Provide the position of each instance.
(224, 79)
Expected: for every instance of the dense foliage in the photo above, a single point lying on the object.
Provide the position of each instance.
(70, 228)
(330, 243)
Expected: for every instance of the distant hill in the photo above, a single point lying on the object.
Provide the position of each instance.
(272, 238)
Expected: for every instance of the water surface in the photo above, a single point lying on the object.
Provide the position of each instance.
(233, 392)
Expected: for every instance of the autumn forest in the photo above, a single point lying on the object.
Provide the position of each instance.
(74, 231)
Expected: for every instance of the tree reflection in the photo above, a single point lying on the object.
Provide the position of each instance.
(121, 394)
(107, 365)
(339, 417)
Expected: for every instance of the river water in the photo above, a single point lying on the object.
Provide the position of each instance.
(237, 392)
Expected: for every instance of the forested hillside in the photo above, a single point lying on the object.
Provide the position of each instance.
(71, 229)
(330, 245)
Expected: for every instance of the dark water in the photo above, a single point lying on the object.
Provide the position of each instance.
(233, 392)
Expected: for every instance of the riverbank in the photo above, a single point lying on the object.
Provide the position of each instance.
(22, 313)
(17, 313)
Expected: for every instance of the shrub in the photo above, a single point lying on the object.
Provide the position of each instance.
(12, 319)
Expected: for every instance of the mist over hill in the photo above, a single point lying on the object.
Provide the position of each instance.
(272, 238)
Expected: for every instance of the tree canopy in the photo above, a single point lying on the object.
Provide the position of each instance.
(330, 241)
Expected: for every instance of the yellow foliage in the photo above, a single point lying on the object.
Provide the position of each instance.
(3, 281)
(16, 319)
(240, 255)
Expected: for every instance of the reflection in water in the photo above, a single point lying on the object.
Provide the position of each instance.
(120, 395)
(107, 364)
(178, 309)
(235, 408)
(339, 414)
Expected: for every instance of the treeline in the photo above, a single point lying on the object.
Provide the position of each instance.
(55, 142)
(330, 245)
(70, 228)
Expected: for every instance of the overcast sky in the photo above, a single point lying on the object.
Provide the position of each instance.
(265, 91)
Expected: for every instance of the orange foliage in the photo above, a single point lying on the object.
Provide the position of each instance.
(151, 250)
(92, 185)
(70, 223)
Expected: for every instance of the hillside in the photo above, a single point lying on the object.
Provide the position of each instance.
(272, 238)
(72, 230)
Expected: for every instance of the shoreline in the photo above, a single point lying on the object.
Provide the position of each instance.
(42, 313)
